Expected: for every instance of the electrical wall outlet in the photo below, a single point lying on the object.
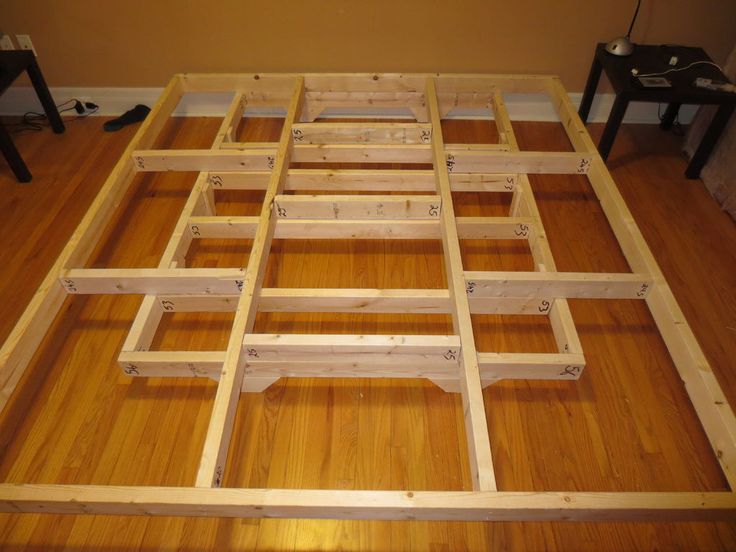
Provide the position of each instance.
(24, 42)
(6, 43)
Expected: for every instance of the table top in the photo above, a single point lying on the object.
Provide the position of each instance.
(655, 59)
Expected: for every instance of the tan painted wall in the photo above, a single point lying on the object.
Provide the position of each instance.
(141, 43)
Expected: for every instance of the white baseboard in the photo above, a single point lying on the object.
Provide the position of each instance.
(115, 101)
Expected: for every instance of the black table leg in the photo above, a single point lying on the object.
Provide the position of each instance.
(42, 91)
(614, 121)
(590, 88)
(720, 119)
(669, 116)
(13, 156)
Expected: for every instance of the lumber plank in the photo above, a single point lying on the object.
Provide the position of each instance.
(362, 153)
(536, 366)
(389, 505)
(409, 367)
(484, 228)
(571, 285)
(383, 82)
(217, 441)
(429, 301)
(152, 281)
(371, 229)
(529, 162)
(244, 156)
(383, 348)
(256, 159)
(510, 305)
(368, 207)
(414, 301)
(462, 160)
(495, 228)
(273, 357)
(245, 227)
(479, 447)
(384, 180)
(366, 133)
(157, 364)
(483, 182)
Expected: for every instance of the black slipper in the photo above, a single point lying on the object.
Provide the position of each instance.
(135, 115)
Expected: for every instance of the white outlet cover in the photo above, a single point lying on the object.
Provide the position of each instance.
(6, 43)
(24, 42)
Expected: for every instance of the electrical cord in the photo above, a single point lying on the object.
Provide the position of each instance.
(675, 69)
(34, 121)
(676, 127)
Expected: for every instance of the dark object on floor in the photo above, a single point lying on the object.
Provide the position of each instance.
(12, 64)
(135, 115)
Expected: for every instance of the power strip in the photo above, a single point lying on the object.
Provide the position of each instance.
(709, 84)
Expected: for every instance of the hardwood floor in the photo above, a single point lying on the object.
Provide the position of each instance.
(627, 424)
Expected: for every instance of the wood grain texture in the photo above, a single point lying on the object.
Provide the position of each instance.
(625, 425)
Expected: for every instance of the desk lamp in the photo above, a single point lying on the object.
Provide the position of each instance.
(622, 46)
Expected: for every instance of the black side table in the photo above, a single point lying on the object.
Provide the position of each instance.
(12, 64)
(655, 59)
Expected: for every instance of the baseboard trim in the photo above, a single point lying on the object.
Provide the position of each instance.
(115, 101)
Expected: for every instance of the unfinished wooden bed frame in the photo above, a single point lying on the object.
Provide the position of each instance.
(252, 362)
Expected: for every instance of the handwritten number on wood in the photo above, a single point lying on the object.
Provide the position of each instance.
(643, 290)
(195, 230)
(140, 163)
(522, 230)
(573, 371)
(470, 287)
(270, 160)
(70, 286)
(434, 210)
(509, 183)
(131, 369)
(450, 163)
(583, 166)
(167, 305)
(544, 306)
(450, 355)
(216, 180)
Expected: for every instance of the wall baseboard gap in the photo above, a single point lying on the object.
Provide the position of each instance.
(115, 101)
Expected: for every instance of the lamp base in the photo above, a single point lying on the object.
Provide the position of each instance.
(620, 46)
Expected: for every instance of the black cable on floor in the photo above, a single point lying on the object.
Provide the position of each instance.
(35, 122)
